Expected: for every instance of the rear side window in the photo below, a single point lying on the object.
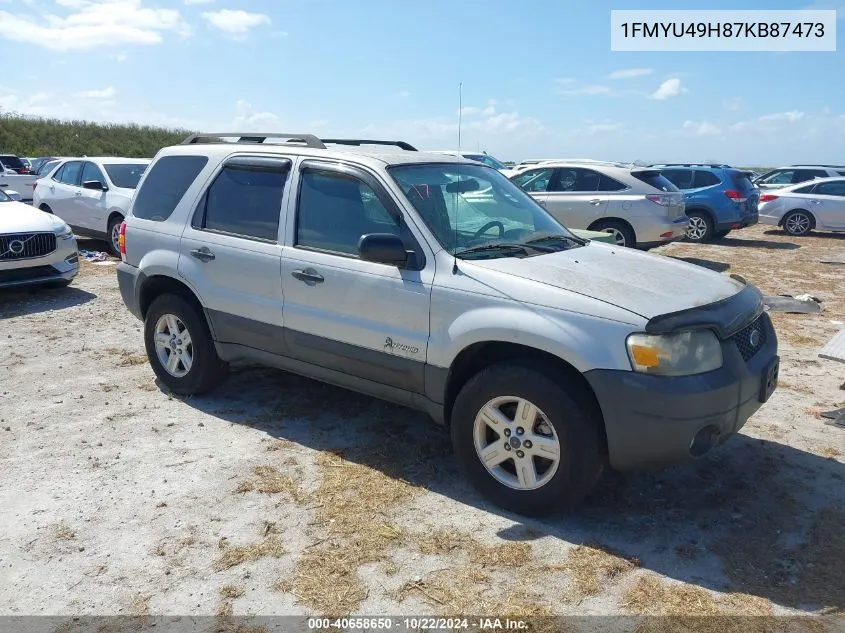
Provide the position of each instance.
(654, 179)
(610, 184)
(806, 189)
(841, 172)
(808, 174)
(705, 179)
(246, 201)
(165, 186)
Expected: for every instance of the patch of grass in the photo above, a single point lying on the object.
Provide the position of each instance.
(351, 496)
(269, 480)
(502, 555)
(233, 556)
(443, 542)
(649, 595)
(805, 389)
(127, 357)
(278, 445)
(592, 565)
(63, 532)
(229, 592)
(828, 452)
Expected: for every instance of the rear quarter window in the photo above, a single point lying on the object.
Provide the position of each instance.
(165, 185)
(706, 179)
(742, 181)
(655, 179)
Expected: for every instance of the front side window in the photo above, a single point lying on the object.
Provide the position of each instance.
(91, 172)
(126, 175)
(474, 211)
(335, 209)
(534, 180)
(70, 174)
(245, 201)
(782, 177)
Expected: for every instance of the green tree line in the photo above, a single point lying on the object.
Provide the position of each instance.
(33, 137)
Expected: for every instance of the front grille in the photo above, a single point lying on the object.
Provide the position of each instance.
(750, 339)
(15, 246)
(25, 274)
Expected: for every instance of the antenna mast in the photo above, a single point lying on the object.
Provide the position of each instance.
(460, 111)
(460, 118)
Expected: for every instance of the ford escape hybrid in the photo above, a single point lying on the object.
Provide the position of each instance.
(382, 269)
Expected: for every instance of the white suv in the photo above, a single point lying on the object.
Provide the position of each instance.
(638, 205)
(547, 356)
(91, 194)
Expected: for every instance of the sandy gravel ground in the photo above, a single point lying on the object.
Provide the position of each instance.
(279, 495)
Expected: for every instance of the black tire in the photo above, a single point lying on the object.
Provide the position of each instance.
(576, 423)
(207, 370)
(701, 227)
(621, 230)
(798, 223)
(720, 234)
(114, 248)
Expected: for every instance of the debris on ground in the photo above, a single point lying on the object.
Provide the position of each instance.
(835, 417)
(97, 257)
(834, 349)
(801, 304)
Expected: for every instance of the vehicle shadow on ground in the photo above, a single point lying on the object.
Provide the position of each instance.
(781, 233)
(766, 244)
(718, 267)
(35, 299)
(756, 517)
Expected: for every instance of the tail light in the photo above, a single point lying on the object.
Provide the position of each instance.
(768, 197)
(663, 201)
(121, 241)
(736, 196)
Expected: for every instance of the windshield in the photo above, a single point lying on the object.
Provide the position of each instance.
(487, 160)
(469, 206)
(126, 175)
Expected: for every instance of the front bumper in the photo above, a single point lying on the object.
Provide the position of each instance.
(62, 265)
(654, 422)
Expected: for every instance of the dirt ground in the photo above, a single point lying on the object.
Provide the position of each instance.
(279, 495)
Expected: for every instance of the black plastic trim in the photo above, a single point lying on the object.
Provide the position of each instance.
(230, 328)
(725, 317)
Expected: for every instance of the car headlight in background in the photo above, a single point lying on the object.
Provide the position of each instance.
(678, 354)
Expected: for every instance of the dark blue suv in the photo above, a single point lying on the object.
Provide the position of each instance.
(718, 198)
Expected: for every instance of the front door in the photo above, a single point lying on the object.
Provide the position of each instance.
(92, 209)
(231, 251)
(64, 188)
(365, 319)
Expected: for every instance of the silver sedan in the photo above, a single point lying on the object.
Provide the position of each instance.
(815, 205)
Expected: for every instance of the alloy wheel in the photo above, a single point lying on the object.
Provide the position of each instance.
(173, 345)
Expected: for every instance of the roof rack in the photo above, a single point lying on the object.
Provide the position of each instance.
(817, 165)
(715, 165)
(355, 141)
(254, 137)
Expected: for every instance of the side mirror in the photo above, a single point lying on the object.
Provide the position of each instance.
(96, 185)
(384, 248)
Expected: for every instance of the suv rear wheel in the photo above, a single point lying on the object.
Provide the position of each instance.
(622, 233)
(179, 347)
(700, 227)
(529, 444)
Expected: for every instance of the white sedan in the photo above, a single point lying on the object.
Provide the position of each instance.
(804, 207)
(35, 247)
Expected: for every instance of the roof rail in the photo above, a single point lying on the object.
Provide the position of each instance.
(714, 165)
(254, 137)
(817, 165)
(355, 141)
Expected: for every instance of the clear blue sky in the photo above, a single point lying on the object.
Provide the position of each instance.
(539, 78)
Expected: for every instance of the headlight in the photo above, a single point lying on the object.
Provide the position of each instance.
(680, 354)
(64, 232)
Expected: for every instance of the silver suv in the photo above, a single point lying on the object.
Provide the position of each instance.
(383, 271)
(639, 206)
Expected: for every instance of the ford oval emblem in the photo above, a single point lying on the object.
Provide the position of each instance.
(754, 338)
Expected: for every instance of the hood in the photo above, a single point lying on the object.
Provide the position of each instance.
(17, 217)
(645, 284)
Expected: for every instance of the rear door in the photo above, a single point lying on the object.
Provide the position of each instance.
(231, 251)
(827, 203)
(575, 198)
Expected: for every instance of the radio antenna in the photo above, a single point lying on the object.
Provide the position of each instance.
(457, 193)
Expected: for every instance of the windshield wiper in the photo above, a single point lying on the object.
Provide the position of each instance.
(512, 246)
(556, 236)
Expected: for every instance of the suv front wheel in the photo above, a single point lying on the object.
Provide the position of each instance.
(179, 347)
(527, 443)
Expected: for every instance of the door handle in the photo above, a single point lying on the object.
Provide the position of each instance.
(595, 202)
(309, 276)
(202, 254)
